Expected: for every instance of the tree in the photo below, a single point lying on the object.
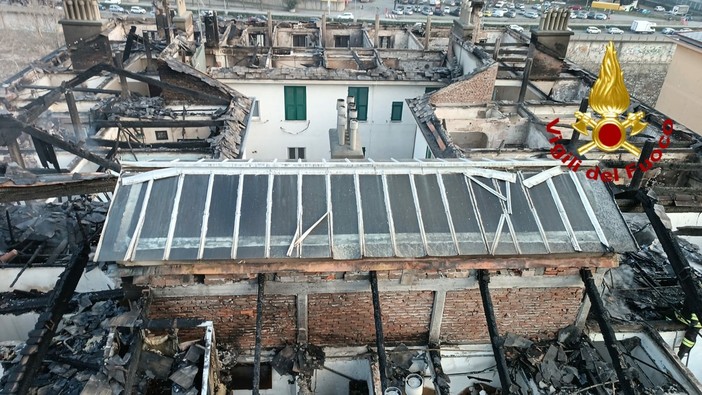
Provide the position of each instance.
(291, 4)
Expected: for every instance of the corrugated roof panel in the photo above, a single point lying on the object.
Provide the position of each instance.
(314, 198)
(284, 214)
(186, 235)
(157, 219)
(463, 214)
(376, 230)
(404, 217)
(346, 239)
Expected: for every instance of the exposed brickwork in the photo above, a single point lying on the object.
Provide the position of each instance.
(347, 319)
(234, 317)
(476, 89)
(524, 311)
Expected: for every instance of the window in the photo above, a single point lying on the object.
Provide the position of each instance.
(385, 42)
(258, 39)
(430, 89)
(396, 114)
(361, 96)
(295, 103)
(299, 40)
(255, 114)
(296, 153)
(162, 135)
(342, 41)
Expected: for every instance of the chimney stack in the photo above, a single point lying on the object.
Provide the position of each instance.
(354, 143)
(344, 141)
(549, 44)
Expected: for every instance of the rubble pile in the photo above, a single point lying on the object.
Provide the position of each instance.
(573, 364)
(299, 360)
(76, 352)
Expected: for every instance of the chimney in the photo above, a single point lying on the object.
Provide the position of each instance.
(341, 121)
(467, 26)
(211, 30)
(184, 20)
(549, 44)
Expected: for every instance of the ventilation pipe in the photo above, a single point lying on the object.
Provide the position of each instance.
(414, 384)
(341, 121)
(353, 135)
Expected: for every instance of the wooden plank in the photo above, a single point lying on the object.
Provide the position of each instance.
(217, 267)
(45, 191)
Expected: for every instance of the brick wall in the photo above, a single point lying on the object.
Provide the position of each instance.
(477, 89)
(525, 311)
(234, 317)
(347, 319)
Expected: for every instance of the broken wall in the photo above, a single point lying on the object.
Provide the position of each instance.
(476, 89)
(644, 60)
(355, 36)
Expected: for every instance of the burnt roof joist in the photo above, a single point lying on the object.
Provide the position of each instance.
(496, 341)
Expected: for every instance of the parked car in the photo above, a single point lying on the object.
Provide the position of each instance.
(600, 16)
(521, 6)
(511, 14)
(137, 10)
(258, 19)
(659, 8)
(645, 11)
(487, 13)
(116, 8)
(591, 15)
(516, 28)
(573, 15)
(438, 12)
(456, 11)
(531, 14)
(615, 30)
(408, 10)
(498, 13)
(427, 11)
(582, 15)
(346, 16)
(685, 30)
(668, 31)
(447, 10)
(398, 11)
(112, 1)
(593, 30)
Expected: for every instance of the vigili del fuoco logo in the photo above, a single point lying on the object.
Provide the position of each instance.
(609, 99)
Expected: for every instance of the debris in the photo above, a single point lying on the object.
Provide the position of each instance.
(185, 376)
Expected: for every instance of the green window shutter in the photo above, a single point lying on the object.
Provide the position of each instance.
(361, 96)
(295, 103)
(396, 114)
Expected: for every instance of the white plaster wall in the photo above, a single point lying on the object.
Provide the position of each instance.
(269, 137)
(280, 386)
(17, 327)
(687, 219)
(326, 382)
(44, 279)
(420, 145)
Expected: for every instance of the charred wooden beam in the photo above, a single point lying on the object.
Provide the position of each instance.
(602, 316)
(55, 189)
(179, 146)
(26, 305)
(379, 338)
(259, 328)
(21, 376)
(639, 173)
(158, 123)
(74, 89)
(181, 323)
(68, 146)
(441, 379)
(495, 339)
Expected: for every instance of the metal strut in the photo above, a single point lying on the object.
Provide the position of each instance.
(259, 325)
(379, 338)
(601, 314)
(495, 339)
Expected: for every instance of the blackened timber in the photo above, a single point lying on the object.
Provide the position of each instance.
(681, 267)
(74, 89)
(610, 339)
(179, 146)
(21, 377)
(180, 323)
(575, 136)
(158, 123)
(495, 339)
(441, 379)
(638, 174)
(69, 147)
(259, 327)
(379, 337)
(50, 190)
